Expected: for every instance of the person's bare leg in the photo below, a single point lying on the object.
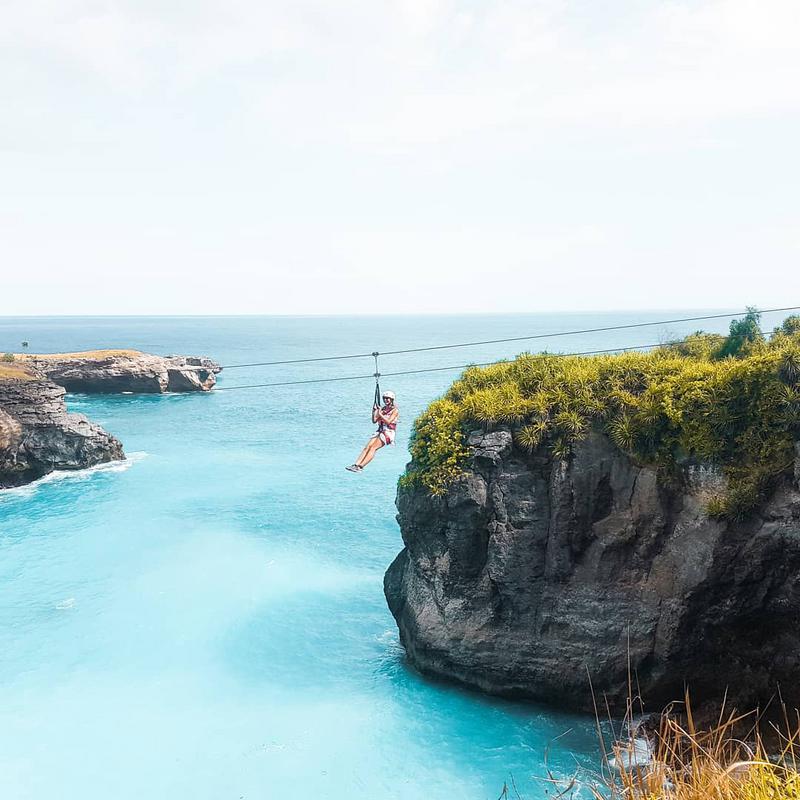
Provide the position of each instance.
(364, 451)
(374, 445)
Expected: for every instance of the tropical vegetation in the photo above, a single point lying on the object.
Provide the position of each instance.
(730, 401)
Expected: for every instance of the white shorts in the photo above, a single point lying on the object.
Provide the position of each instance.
(386, 436)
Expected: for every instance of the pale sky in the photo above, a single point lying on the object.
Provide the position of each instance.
(254, 156)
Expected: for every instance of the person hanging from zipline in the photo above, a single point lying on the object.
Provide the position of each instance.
(386, 416)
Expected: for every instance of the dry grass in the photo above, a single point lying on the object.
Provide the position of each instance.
(727, 762)
(12, 365)
(91, 354)
(12, 371)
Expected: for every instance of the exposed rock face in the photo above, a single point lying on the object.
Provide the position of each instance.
(125, 371)
(38, 435)
(532, 574)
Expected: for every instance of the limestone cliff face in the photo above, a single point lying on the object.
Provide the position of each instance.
(38, 435)
(532, 575)
(125, 371)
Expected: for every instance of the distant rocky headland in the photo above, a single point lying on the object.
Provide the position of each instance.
(629, 520)
(114, 371)
(38, 434)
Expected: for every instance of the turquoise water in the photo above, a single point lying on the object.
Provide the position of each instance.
(207, 620)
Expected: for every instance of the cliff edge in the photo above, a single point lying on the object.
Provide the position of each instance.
(112, 371)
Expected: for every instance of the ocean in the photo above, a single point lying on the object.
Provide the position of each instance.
(206, 620)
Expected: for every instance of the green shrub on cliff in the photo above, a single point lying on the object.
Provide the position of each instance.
(788, 327)
(743, 336)
(681, 401)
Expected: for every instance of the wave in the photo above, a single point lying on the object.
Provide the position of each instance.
(73, 475)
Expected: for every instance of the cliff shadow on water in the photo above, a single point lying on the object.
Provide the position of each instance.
(575, 519)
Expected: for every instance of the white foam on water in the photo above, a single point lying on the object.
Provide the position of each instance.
(635, 753)
(389, 636)
(72, 475)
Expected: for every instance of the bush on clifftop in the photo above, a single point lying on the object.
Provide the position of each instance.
(739, 411)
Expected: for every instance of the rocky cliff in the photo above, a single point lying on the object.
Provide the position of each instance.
(532, 574)
(38, 435)
(112, 371)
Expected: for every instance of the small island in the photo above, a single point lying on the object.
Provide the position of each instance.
(37, 433)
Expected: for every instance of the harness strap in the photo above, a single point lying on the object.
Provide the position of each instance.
(392, 426)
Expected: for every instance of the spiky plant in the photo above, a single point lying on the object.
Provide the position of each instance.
(717, 506)
(623, 433)
(530, 436)
(650, 410)
(571, 424)
(789, 367)
(539, 404)
(622, 399)
(562, 448)
(790, 397)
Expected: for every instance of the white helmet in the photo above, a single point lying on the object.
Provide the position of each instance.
(390, 395)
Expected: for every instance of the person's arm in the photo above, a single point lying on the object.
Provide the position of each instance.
(376, 413)
(391, 417)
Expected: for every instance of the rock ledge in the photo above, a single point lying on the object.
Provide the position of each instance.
(113, 371)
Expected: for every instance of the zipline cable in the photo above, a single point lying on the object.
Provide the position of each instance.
(502, 341)
(435, 369)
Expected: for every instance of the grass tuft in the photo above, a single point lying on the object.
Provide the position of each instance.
(688, 763)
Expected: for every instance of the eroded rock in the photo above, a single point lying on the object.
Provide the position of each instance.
(531, 575)
(38, 435)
